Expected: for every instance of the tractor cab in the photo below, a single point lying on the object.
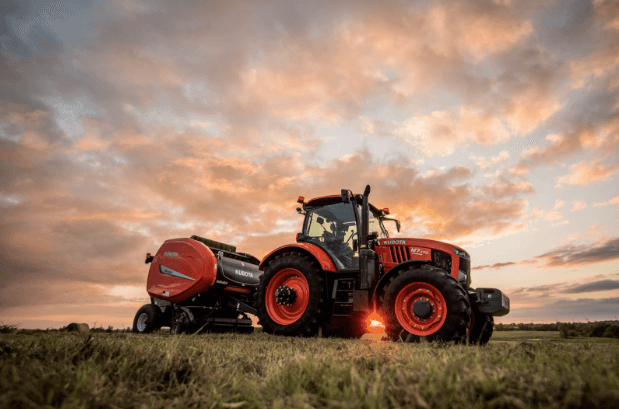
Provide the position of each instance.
(332, 223)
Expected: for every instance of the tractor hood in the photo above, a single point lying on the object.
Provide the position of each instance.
(425, 244)
(453, 259)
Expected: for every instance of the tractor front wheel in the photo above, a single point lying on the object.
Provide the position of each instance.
(147, 319)
(482, 327)
(290, 296)
(425, 301)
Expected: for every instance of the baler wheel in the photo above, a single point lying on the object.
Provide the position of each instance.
(425, 301)
(299, 311)
(147, 319)
(482, 327)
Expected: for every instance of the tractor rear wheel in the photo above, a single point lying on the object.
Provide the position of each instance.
(425, 301)
(147, 319)
(290, 296)
(482, 327)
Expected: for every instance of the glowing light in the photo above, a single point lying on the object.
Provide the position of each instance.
(375, 323)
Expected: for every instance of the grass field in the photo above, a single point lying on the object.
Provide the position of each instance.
(518, 369)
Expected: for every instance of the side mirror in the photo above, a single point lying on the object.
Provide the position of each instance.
(345, 196)
(320, 220)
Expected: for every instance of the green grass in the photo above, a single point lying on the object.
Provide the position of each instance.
(553, 336)
(56, 369)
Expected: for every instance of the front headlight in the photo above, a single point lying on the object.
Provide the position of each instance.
(461, 254)
(462, 278)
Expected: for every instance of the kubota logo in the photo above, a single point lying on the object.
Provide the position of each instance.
(170, 254)
(243, 273)
(418, 252)
(386, 242)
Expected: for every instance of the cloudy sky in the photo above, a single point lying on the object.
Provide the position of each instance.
(493, 125)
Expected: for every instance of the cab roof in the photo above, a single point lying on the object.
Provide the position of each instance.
(324, 200)
(333, 199)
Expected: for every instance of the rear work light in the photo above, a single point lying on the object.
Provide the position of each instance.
(149, 258)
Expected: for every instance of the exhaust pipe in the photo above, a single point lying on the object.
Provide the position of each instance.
(367, 257)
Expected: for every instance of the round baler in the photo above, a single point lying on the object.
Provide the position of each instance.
(199, 283)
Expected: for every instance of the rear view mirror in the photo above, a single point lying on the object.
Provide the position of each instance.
(345, 196)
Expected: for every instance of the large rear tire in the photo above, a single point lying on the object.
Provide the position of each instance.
(290, 296)
(482, 327)
(147, 319)
(425, 301)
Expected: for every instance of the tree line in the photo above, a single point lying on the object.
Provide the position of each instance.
(568, 329)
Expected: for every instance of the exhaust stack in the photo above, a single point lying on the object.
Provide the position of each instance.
(367, 256)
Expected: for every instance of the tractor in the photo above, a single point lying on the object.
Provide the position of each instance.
(343, 271)
(345, 267)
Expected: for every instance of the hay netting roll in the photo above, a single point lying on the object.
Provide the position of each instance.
(75, 327)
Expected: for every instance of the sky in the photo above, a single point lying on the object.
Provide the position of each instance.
(492, 125)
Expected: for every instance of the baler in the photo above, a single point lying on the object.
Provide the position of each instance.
(199, 283)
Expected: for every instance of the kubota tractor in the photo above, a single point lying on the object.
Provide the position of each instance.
(345, 266)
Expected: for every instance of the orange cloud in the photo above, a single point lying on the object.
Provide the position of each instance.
(441, 132)
(586, 172)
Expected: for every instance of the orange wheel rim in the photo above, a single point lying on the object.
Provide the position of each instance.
(424, 292)
(287, 314)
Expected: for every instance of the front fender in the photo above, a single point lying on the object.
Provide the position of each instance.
(319, 254)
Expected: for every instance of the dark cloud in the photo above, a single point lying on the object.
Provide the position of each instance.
(570, 255)
(495, 266)
(565, 310)
(603, 285)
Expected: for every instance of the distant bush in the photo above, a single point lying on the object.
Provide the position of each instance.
(567, 329)
(526, 327)
(603, 330)
(109, 329)
(7, 329)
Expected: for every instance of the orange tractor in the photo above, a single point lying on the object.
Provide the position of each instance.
(344, 266)
(343, 270)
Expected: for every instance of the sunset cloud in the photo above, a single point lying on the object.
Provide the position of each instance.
(585, 172)
(124, 123)
(571, 255)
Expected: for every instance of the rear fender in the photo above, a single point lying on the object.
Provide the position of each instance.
(316, 252)
(385, 280)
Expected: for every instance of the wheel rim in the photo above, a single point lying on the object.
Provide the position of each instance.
(412, 323)
(142, 320)
(287, 314)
